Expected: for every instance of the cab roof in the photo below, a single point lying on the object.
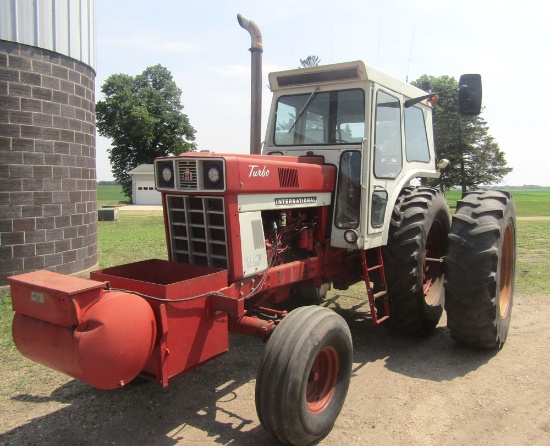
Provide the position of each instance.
(340, 73)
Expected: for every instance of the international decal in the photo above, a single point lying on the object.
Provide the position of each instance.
(295, 200)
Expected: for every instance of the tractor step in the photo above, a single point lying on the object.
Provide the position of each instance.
(380, 295)
(374, 268)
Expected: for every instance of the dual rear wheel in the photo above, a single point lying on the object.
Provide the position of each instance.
(481, 268)
(475, 282)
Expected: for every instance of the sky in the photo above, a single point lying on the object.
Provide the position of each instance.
(202, 45)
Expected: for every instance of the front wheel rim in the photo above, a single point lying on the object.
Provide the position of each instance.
(322, 379)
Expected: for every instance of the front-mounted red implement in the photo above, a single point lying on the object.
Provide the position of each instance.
(156, 318)
(73, 326)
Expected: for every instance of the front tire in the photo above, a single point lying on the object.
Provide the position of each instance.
(304, 375)
(481, 269)
(418, 236)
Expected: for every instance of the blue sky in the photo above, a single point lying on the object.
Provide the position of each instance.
(206, 51)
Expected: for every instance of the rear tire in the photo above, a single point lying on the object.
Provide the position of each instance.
(418, 232)
(304, 375)
(304, 295)
(481, 269)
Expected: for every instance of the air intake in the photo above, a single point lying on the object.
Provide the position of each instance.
(319, 77)
(288, 177)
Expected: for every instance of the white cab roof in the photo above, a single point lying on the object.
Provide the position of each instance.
(340, 73)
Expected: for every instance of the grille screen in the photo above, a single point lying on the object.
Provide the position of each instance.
(197, 230)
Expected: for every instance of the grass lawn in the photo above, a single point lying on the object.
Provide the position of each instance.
(6, 315)
(135, 236)
(110, 195)
(533, 252)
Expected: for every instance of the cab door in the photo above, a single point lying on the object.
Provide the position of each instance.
(386, 150)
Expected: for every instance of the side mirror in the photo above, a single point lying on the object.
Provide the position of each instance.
(469, 94)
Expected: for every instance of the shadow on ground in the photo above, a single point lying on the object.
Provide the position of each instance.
(435, 357)
(144, 413)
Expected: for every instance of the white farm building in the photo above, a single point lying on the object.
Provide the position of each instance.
(143, 185)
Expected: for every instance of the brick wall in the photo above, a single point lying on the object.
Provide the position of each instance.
(48, 215)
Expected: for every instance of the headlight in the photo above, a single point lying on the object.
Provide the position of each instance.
(167, 174)
(214, 175)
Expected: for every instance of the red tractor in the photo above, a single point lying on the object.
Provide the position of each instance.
(330, 202)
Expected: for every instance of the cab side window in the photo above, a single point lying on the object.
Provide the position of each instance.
(416, 142)
(388, 156)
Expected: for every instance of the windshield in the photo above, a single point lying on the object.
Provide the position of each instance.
(320, 118)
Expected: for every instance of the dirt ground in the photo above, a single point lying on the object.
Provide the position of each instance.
(403, 391)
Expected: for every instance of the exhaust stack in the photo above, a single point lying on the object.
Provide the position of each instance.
(256, 50)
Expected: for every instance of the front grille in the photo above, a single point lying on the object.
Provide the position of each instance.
(197, 230)
(187, 175)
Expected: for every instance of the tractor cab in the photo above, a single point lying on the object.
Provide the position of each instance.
(355, 117)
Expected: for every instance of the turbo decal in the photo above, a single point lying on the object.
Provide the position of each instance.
(255, 171)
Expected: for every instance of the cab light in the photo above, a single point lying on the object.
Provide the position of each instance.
(350, 236)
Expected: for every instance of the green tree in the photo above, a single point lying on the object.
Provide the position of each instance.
(310, 61)
(143, 117)
(476, 159)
